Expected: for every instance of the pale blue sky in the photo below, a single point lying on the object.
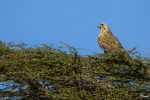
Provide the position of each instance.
(75, 22)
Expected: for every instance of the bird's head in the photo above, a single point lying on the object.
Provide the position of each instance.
(103, 26)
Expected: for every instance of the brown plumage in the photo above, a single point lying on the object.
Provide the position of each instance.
(107, 41)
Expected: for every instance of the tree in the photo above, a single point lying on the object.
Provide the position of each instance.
(44, 72)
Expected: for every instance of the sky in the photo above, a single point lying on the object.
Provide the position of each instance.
(75, 22)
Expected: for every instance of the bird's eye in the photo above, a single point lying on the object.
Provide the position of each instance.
(102, 24)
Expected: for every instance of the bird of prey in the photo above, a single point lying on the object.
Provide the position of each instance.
(107, 41)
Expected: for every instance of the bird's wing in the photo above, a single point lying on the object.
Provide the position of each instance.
(108, 42)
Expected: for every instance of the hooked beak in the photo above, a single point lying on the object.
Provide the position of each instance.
(98, 26)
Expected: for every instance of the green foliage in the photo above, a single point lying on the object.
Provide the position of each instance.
(44, 72)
